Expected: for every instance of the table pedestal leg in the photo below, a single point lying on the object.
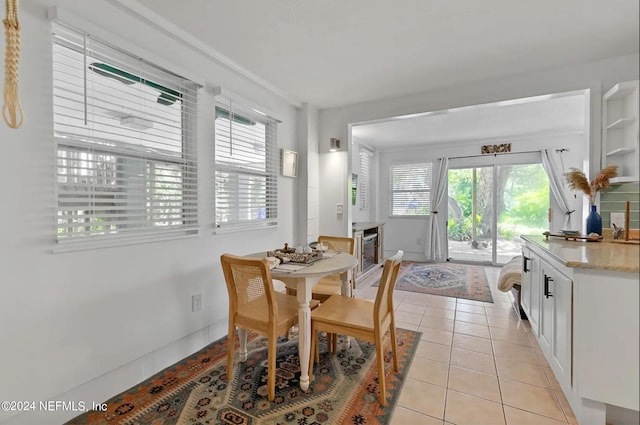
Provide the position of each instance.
(347, 292)
(346, 284)
(242, 336)
(304, 327)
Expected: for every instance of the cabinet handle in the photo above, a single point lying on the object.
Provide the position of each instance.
(547, 279)
(524, 264)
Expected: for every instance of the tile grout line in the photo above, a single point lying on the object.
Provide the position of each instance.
(446, 393)
(526, 383)
(495, 364)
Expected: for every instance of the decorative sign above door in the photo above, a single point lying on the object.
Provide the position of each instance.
(492, 149)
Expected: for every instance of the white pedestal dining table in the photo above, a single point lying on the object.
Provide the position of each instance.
(303, 279)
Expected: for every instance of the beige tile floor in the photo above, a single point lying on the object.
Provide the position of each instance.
(477, 363)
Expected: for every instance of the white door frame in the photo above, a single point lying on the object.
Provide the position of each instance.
(516, 158)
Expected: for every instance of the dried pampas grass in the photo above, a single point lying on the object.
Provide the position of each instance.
(609, 172)
(577, 180)
(602, 181)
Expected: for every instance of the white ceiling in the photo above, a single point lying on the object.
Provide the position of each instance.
(522, 118)
(336, 52)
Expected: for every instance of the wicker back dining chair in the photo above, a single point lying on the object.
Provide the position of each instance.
(255, 305)
(362, 319)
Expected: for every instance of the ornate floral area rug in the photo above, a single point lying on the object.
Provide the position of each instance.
(445, 279)
(195, 390)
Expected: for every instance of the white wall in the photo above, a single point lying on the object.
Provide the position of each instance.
(597, 76)
(122, 313)
(308, 176)
(334, 185)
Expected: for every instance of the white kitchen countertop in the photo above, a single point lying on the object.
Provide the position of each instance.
(602, 255)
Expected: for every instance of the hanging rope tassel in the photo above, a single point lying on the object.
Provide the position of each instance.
(11, 109)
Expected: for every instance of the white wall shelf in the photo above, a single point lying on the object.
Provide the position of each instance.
(621, 90)
(621, 123)
(621, 151)
(620, 136)
(623, 179)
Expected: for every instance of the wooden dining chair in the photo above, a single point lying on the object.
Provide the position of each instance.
(362, 319)
(255, 305)
(332, 284)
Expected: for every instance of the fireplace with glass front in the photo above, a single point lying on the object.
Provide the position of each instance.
(368, 251)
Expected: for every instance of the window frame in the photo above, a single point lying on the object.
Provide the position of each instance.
(428, 166)
(236, 113)
(121, 151)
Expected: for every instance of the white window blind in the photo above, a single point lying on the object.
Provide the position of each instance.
(410, 186)
(364, 179)
(125, 144)
(246, 164)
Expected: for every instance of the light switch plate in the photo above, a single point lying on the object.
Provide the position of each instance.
(339, 208)
(617, 218)
(196, 302)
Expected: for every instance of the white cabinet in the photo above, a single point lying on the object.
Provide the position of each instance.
(525, 285)
(620, 130)
(588, 323)
(555, 324)
(357, 236)
(547, 299)
(530, 288)
(380, 245)
(545, 336)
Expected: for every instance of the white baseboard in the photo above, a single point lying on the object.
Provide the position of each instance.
(621, 416)
(408, 256)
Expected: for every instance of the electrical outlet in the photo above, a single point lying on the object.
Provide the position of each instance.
(196, 302)
(339, 208)
(617, 218)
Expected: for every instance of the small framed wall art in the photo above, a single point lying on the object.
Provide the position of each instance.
(288, 163)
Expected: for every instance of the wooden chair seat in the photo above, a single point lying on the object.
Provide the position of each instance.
(362, 319)
(345, 312)
(327, 286)
(255, 314)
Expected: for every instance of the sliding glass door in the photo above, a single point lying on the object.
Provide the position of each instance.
(523, 205)
(492, 203)
(470, 211)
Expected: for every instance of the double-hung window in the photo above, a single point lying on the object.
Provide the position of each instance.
(125, 145)
(246, 164)
(410, 189)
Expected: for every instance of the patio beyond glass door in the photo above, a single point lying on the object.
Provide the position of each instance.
(523, 207)
(470, 214)
(519, 193)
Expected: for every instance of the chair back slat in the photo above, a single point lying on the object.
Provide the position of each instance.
(383, 306)
(338, 243)
(249, 287)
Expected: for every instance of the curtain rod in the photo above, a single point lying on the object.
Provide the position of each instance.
(502, 153)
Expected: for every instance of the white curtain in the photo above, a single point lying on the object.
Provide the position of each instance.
(436, 248)
(556, 182)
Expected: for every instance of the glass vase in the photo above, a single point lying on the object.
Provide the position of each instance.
(594, 221)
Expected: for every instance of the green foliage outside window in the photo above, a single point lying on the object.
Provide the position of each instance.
(523, 202)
